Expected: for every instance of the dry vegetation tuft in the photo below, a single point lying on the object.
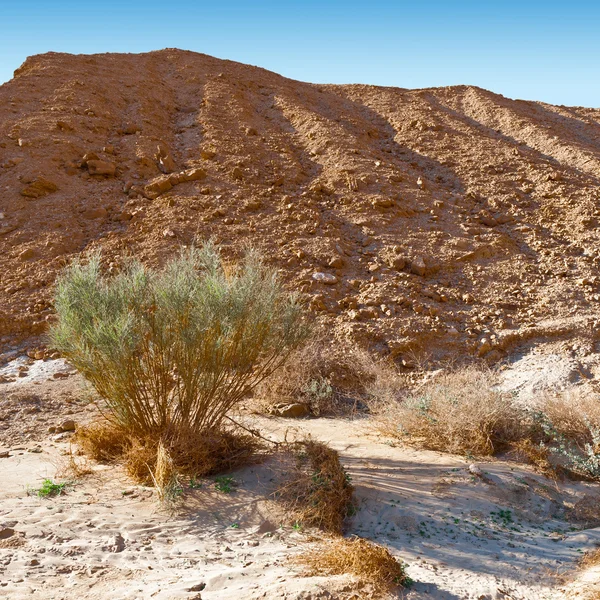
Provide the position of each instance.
(329, 378)
(456, 411)
(196, 454)
(370, 563)
(318, 491)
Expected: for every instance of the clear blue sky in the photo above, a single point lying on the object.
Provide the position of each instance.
(526, 49)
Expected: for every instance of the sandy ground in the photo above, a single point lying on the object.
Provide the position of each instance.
(507, 533)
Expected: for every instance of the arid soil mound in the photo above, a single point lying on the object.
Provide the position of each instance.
(445, 218)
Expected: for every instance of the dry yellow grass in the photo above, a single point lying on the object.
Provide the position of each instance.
(371, 564)
(190, 453)
(165, 477)
(318, 491)
(456, 411)
(329, 378)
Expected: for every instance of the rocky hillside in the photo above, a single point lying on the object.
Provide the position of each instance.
(443, 219)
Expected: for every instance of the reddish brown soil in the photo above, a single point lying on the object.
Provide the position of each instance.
(453, 219)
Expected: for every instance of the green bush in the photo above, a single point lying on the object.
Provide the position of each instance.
(173, 350)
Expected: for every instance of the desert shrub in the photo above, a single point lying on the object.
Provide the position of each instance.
(330, 378)
(582, 458)
(456, 411)
(370, 563)
(174, 350)
(317, 491)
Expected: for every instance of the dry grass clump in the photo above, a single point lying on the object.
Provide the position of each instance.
(572, 413)
(370, 563)
(318, 491)
(165, 477)
(456, 411)
(328, 377)
(102, 440)
(191, 453)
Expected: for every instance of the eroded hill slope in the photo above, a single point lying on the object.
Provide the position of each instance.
(451, 219)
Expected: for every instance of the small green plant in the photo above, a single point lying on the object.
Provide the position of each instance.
(225, 484)
(297, 526)
(319, 389)
(195, 484)
(50, 489)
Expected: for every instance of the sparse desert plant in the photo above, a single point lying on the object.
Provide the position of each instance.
(456, 411)
(171, 352)
(582, 458)
(370, 563)
(328, 377)
(49, 489)
(318, 491)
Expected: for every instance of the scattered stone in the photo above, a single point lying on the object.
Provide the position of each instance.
(195, 174)
(38, 188)
(67, 425)
(337, 262)
(475, 470)
(197, 588)
(101, 167)
(418, 267)
(326, 278)
(157, 186)
(27, 254)
(397, 262)
(94, 213)
(292, 411)
(382, 203)
(166, 164)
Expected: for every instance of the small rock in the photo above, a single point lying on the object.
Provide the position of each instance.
(68, 425)
(6, 532)
(101, 167)
(237, 173)
(165, 161)
(27, 254)
(398, 263)
(197, 588)
(266, 527)
(60, 375)
(94, 213)
(118, 544)
(418, 267)
(475, 470)
(293, 411)
(157, 186)
(326, 278)
(39, 187)
(382, 203)
(337, 262)
(196, 174)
